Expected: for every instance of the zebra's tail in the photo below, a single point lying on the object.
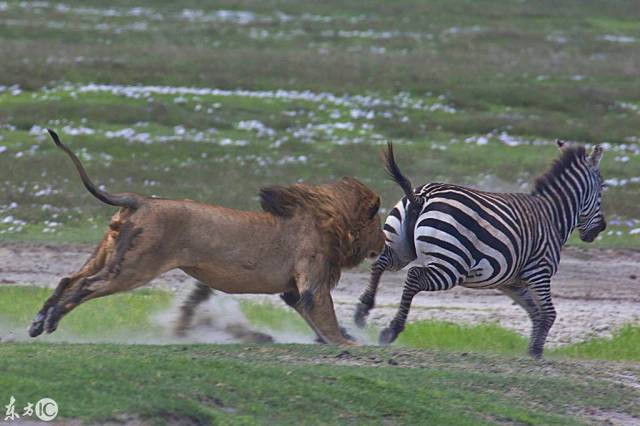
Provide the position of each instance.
(394, 171)
(121, 200)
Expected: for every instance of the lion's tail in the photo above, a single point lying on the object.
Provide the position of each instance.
(121, 200)
(394, 171)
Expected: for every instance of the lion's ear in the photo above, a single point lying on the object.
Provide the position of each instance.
(373, 210)
(279, 200)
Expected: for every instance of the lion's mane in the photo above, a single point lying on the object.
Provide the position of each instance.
(340, 210)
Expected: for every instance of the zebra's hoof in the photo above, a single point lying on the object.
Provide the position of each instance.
(387, 336)
(536, 354)
(360, 317)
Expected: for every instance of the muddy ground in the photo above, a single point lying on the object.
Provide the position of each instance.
(595, 291)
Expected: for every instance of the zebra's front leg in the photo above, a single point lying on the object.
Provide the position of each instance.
(429, 278)
(541, 295)
(536, 300)
(368, 298)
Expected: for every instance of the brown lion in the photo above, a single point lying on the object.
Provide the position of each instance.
(297, 247)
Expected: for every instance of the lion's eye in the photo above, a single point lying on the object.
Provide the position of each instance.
(373, 210)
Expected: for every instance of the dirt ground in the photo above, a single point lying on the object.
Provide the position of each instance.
(595, 291)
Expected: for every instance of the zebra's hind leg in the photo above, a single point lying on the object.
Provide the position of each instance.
(536, 300)
(429, 278)
(368, 298)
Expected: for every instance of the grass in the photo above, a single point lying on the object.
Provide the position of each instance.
(437, 372)
(436, 77)
(211, 384)
(231, 384)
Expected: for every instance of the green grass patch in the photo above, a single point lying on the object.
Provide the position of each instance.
(624, 345)
(461, 338)
(134, 315)
(105, 318)
(267, 315)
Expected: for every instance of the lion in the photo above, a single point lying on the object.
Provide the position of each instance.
(296, 247)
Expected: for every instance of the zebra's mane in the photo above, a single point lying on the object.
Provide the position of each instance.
(569, 156)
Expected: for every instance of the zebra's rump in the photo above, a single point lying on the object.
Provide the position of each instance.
(473, 237)
(398, 230)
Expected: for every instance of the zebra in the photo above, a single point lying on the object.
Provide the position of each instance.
(488, 240)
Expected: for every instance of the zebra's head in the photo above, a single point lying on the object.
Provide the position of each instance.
(590, 217)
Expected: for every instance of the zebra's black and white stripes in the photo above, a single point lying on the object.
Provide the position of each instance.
(507, 241)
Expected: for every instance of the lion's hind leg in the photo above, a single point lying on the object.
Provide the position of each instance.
(110, 280)
(117, 265)
(200, 294)
(91, 267)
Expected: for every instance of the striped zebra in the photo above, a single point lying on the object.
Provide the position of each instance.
(505, 241)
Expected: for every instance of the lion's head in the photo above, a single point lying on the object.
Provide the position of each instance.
(345, 212)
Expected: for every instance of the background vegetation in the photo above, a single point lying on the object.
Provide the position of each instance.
(211, 101)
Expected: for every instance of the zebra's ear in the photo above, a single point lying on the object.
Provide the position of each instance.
(596, 156)
(561, 144)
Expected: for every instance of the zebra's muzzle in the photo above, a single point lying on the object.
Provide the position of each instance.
(590, 235)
